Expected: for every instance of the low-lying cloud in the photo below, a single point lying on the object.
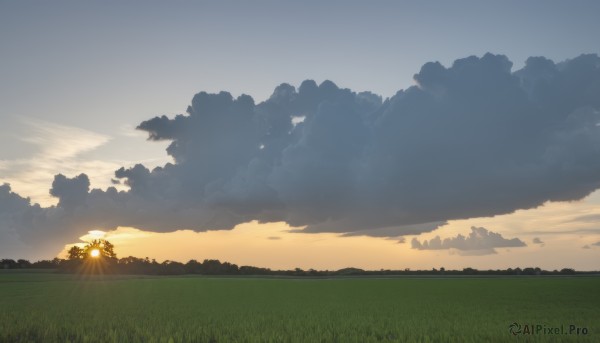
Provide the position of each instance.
(470, 140)
(479, 242)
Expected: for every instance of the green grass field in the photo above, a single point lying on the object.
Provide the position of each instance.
(46, 307)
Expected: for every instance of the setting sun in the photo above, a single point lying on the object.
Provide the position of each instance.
(95, 253)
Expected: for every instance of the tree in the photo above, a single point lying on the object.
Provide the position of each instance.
(8, 263)
(568, 271)
(104, 247)
(109, 249)
(24, 263)
(76, 253)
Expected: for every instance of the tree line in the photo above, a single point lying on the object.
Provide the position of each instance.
(145, 266)
(98, 256)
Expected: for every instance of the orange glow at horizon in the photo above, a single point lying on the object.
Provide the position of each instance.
(272, 245)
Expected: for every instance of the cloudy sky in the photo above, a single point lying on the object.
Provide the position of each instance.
(313, 135)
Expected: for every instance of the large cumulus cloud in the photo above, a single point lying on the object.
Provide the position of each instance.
(473, 139)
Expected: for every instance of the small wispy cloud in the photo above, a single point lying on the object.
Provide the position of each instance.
(59, 142)
(538, 241)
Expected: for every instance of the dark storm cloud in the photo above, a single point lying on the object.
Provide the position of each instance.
(473, 139)
(480, 242)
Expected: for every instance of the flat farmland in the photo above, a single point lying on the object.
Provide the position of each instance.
(48, 307)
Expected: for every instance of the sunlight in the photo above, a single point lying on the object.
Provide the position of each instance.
(95, 253)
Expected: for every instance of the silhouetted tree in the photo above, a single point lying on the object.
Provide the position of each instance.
(105, 248)
(8, 264)
(567, 271)
(193, 267)
(528, 271)
(47, 264)
(23, 263)
(76, 253)
(469, 271)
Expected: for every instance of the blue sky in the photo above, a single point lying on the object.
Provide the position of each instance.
(77, 77)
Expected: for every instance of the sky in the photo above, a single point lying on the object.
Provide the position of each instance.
(437, 140)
